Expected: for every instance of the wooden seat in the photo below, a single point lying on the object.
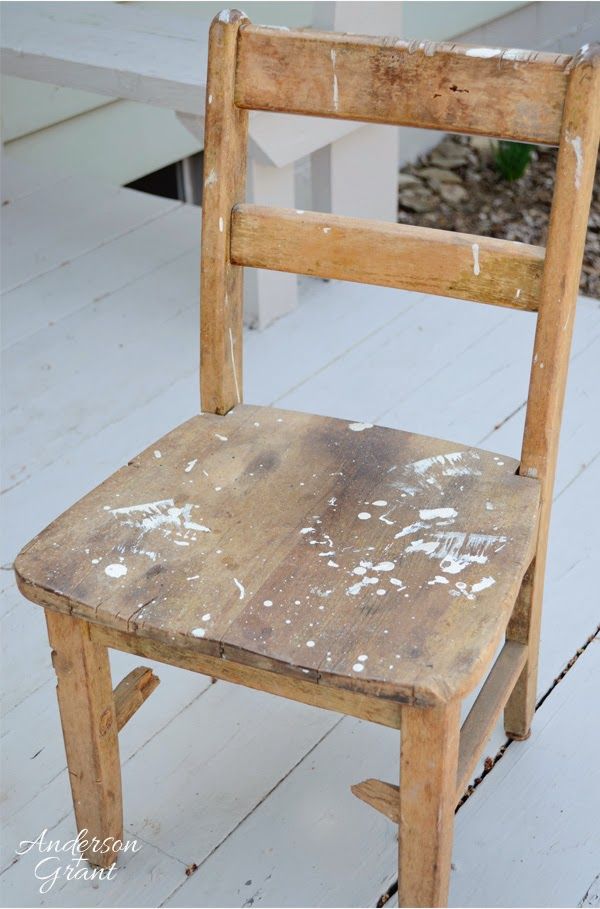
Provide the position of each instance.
(346, 554)
(361, 569)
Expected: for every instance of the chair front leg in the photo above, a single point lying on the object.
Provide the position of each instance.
(89, 724)
(428, 767)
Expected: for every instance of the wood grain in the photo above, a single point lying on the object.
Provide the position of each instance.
(221, 291)
(89, 724)
(428, 762)
(421, 259)
(132, 691)
(576, 166)
(510, 94)
(456, 531)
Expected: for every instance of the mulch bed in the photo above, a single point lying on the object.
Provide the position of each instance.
(457, 187)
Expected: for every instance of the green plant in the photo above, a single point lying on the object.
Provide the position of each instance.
(512, 158)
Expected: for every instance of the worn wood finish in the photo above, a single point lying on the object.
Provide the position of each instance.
(225, 147)
(393, 255)
(132, 691)
(375, 545)
(89, 724)
(383, 797)
(484, 713)
(512, 94)
(374, 709)
(576, 165)
(428, 763)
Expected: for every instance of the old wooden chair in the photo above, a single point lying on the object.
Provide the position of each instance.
(365, 570)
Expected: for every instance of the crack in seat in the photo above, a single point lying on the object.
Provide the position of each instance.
(359, 556)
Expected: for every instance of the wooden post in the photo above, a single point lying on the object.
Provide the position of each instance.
(428, 766)
(560, 283)
(89, 724)
(226, 134)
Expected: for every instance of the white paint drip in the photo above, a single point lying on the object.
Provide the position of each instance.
(240, 587)
(359, 427)
(115, 571)
(233, 366)
(476, 269)
(336, 92)
(575, 143)
(191, 465)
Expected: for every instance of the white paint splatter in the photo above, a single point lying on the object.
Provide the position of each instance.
(115, 570)
(428, 547)
(379, 503)
(456, 550)
(267, 602)
(157, 454)
(384, 566)
(191, 465)
(429, 514)
(198, 632)
(224, 16)
(336, 92)
(222, 438)
(211, 178)
(364, 515)
(206, 617)
(484, 52)
(332, 564)
(194, 577)
(358, 667)
(575, 142)
(234, 368)
(363, 658)
(439, 579)
(476, 269)
(518, 293)
(162, 515)
(483, 584)
(221, 225)
(240, 587)
(359, 427)
(310, 643)
(410, 528)
(307, 530)
(364, 582)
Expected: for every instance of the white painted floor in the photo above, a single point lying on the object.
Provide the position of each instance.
(100, 356)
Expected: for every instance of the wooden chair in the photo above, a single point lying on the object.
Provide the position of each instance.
(365, 570)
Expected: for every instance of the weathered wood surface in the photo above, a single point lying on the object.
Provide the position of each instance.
(508, 93)
(132, 691)
(575, 170)
(221, 283)
(373, 546)
(90, 731)
(393, 255)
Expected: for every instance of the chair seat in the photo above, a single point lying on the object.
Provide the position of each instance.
(353, 555)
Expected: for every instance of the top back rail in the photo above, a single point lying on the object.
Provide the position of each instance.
(508, 94)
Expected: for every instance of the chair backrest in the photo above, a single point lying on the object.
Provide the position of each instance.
(512, 94)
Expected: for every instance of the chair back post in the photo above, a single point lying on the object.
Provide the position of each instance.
(578, 149)
(221, 282)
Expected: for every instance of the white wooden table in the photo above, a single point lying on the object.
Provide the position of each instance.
(159, 58)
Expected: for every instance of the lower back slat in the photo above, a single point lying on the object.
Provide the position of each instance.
(421, 259)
